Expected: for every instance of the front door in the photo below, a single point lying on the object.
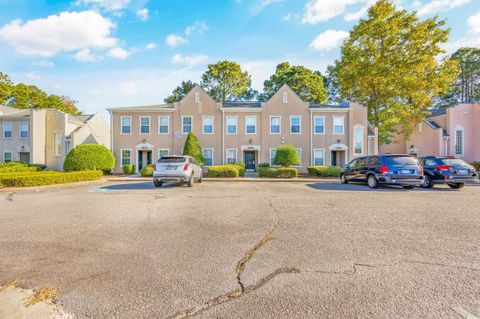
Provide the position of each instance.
(144, 159)
(25, 157)
(249, 161)
(334, 158)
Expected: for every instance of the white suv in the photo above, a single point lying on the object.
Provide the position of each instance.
(176, 169)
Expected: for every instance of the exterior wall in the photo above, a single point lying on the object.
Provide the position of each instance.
(94, 131)
(466, 117)
(220, 141)
(425, 141)
(55, 124)
(37, 138)
(15, 145)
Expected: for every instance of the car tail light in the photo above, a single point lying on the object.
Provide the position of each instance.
(444, 167)
(421, 170)
(384, 169)
(185, 167)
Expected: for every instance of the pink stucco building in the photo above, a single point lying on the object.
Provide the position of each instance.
(450, 131)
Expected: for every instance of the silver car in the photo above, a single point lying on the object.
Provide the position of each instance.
(176, 169)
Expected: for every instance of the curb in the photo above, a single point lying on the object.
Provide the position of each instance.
(239, 180)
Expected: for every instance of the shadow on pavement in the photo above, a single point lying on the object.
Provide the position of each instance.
(136, 186)
(364, 188)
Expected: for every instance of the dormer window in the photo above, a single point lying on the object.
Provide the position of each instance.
(285, 97)
(197, 97)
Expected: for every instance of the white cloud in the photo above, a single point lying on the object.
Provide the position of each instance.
(437, 5)
(128, 88)
(44, 64)
(199, 26)
(151, 46)
(142, 14)
(174, 40)
(86, 55)
(118, 53)
(32, 76)
(109, 5)
(68, 31)
(474, 23)
(262, 4)
(328, 40)
(189, 59)
(317, 11)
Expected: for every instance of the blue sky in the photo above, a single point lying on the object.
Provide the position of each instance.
(108, 53)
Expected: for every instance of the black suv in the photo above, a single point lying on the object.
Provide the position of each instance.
(403, 170)
(449, 170)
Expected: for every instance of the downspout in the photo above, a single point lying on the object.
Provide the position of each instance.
(311, 139)
(223, 137)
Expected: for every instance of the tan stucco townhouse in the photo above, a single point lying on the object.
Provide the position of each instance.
(247, 132)
(45, 136)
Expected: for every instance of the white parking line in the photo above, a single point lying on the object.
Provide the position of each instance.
(464, 313)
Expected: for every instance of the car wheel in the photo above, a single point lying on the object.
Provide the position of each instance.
(157, 184)
(343, 179)
(200, 179)
(427, 182)
(455, 185)
(190, 181)
(408, 186)
(372, 181)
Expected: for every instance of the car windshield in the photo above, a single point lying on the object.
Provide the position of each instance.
(171, 159)
(401, 160)
(454, 161)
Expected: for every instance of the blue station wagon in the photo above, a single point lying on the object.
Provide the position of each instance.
(403, 170)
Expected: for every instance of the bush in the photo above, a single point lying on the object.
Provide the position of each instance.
(12, 167)
(223, 171)
(128, 169)
(264, 165)
(192, 148)
(476, 164)
(147, 171)
(281, 172)
(240, 167)
(46, 178)
(89, 157)
(324, 171)
(286, 156)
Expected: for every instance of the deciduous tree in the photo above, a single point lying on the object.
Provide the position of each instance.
(180, 91)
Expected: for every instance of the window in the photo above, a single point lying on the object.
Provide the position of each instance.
(163, 124)
(197, 97)
(126, 123)
(23, 130)
(7, 130)
(299, 152)
(231, 125)
(273, 152)
(208, 125)
(373, 161)
(162, 152)
(319, 124)
(285, 97)
(126, 155)
(358, 140)
(295, 125)
(186, 124)
(208, 156)
(57, 144)
(7, 157)
(250, 124)
(338, 127)
(318, 157)
(144, 124)
(459, 142)
(231, 156)
(275, 124)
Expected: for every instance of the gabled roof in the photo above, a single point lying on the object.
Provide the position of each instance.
(143, 107)
(433, 124)
(254, 104)
(12, 111)
(437, 112)
(343, 105)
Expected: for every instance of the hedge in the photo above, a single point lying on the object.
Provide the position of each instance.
(240, 167)
(89, 157)
(128, 169)
(12, 167)
(280, 172)
(223, 171)
(324, 171)
(47, 178)
(147, 171)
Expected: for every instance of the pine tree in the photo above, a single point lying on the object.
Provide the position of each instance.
(192, 148)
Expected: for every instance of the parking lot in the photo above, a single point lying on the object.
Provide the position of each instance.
(246, 249)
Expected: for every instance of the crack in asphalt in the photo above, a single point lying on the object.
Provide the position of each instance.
(9, 197)
(232, 295)
(439, 264)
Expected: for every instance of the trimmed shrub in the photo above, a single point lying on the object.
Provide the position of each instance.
(286, 156)
(192, 148)
(278, 172)
(240, 167)
(264, 165)
(223, 171)
(128, 169)
(12, 167)
(324, 171)
(89, 157)
(47, 178)
(147, 171)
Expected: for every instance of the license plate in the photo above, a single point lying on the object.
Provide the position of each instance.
(406, 171)
(170, 168)
(462, 172)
